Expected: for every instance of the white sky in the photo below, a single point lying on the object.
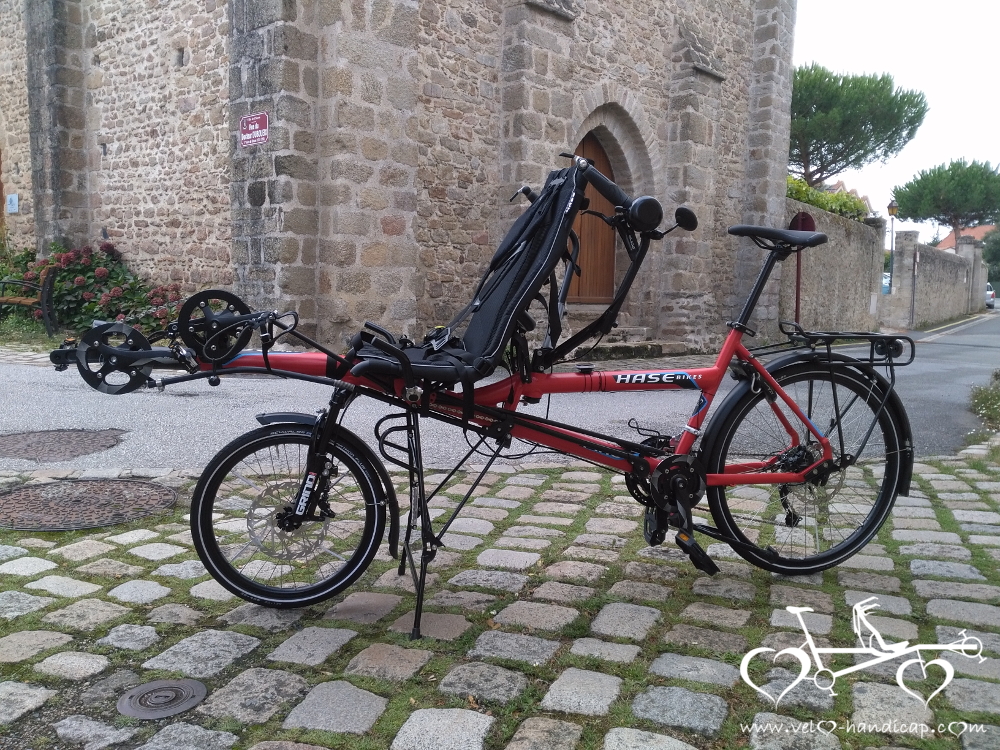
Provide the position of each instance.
(948, 50)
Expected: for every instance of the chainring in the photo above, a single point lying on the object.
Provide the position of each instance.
(209, 324)
(639, 486)
(677, 480)
(110, 375)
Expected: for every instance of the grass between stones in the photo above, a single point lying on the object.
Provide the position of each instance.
(421, 690)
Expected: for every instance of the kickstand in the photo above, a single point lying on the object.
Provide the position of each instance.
(425, 557)
(418, 509)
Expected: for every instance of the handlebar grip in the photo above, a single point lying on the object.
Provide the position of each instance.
(604, 186)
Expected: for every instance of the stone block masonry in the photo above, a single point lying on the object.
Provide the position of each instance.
(840, 281)
(129, 134)
(397, 131)
(15, 141)
(323, 215)
(931, 285)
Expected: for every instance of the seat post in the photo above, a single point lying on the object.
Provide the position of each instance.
(758, 288)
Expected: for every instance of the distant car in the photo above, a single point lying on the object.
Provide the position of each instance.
(991, 297)
(886, 278)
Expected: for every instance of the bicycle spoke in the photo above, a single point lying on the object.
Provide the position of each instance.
(259, 490)
(802, 522)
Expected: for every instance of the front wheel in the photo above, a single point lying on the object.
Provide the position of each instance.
(805, 528)
(239, 502)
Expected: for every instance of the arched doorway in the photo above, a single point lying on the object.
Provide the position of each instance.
(596, 283)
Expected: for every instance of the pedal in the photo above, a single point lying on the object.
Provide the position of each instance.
(698, 556)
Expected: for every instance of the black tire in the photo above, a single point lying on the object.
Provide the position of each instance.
(838, 517)
(256, 477)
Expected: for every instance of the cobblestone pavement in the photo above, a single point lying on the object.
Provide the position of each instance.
(9, 355)
(550, 624)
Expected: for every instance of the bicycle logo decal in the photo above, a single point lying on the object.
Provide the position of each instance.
(810, 655)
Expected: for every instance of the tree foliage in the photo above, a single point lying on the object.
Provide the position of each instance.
(991, 254)
(959, 195)
(842, 122)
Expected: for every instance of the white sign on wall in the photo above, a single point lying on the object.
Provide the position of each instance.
(12, 203)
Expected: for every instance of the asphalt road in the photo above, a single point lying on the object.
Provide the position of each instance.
(935, 388)
(185, 425)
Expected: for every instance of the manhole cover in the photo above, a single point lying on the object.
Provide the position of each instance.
(57, 445)
(157, 700)
(82, 504)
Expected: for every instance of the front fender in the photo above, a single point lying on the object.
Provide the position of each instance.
(359, 446)
(778, 366)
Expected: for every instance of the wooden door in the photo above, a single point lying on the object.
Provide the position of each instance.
(596, 284)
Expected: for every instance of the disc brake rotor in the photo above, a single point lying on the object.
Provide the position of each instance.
(208, 324)
(98, 358)
(262, 527)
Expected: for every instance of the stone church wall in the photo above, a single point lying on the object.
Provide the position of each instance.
(127, 108)
(398, 130)
(15, 142)
(157, 141)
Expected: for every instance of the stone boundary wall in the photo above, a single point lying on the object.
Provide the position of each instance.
(940, 288)
(841, 280)
(15, 144)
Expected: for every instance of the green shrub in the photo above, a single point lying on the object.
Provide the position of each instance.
(97, 285)
(842, 204)
(985, 402)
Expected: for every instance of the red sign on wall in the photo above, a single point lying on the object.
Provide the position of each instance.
(253, 129)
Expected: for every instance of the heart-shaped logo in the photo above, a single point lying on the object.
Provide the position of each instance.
(798, 653)
(949, 673)
(958, 728)
(821, 726)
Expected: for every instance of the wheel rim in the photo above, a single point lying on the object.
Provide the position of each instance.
(834, 518)
(242, 527)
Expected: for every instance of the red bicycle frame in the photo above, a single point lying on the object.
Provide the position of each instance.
(499, 400)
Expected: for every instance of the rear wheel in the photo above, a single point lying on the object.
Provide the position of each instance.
(804, 528)
(239, 503)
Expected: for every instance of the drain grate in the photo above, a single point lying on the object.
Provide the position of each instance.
(57, 445)
(162, 698)
(82, 504)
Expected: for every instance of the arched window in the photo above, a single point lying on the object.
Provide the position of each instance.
(596, 284)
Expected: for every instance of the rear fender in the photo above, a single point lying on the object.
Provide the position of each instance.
(356, 444)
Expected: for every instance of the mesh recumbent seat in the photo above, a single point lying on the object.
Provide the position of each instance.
(524, 261)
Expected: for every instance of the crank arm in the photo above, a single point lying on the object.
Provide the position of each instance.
(718, 535)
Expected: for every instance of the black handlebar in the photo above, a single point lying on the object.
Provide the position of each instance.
(615, 195)
(644, 213)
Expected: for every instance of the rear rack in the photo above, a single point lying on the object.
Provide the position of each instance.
(883, 348)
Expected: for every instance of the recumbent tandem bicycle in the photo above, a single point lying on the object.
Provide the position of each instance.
(801, 462)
